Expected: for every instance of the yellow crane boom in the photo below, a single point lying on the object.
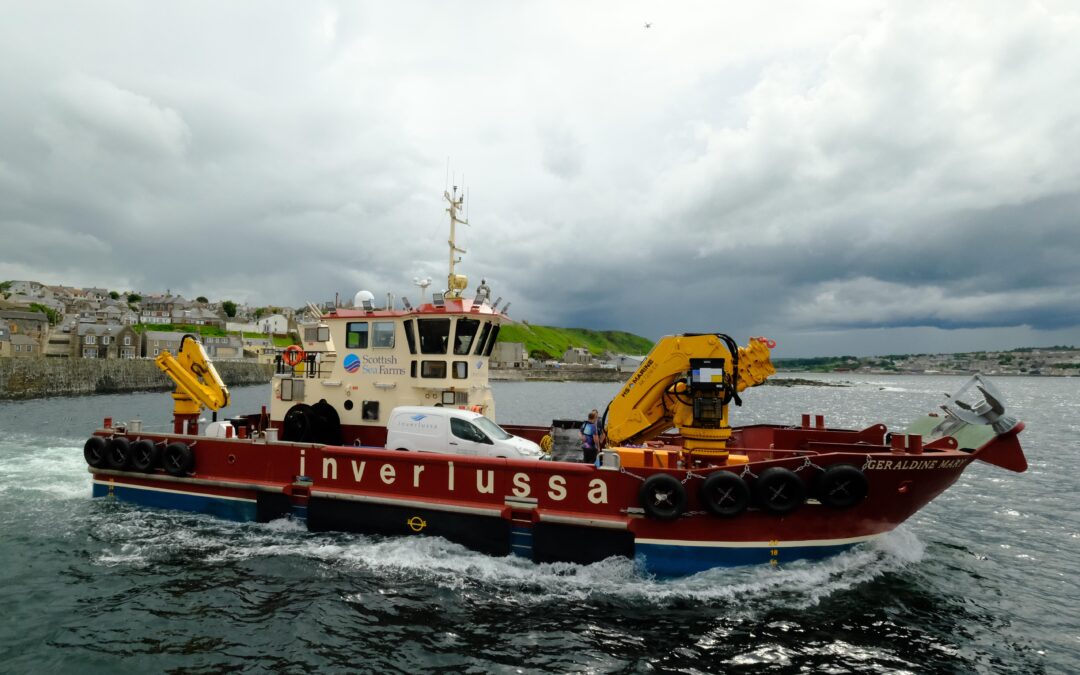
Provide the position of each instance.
(197, 383)
(687, 382)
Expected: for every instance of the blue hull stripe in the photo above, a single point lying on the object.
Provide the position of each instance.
(682, 560)
(230, 508)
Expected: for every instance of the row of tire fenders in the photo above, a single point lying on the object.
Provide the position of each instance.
(776, 490)
(120, 454)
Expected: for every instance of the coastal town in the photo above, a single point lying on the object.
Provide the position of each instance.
(57, 321)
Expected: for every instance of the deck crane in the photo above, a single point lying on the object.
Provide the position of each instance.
(197, 384)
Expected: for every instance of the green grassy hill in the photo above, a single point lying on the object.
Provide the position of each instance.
(553, 341)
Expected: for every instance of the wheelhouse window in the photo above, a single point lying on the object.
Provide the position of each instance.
(434, 335)
(483, 338)
(461, 370)
(382, 334)
(356, 336)
(436, 369)
(492, 340)
(410, 337)
(463, 339)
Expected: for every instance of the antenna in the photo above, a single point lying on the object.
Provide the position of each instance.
(423, 284)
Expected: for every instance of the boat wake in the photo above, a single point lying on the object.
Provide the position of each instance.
(141, 537)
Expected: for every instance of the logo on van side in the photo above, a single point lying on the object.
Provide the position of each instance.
(417, 418)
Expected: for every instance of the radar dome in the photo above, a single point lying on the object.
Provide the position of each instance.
(361, 296)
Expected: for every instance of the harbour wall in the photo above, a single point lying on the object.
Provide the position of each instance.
(23, 378)
(558, 375)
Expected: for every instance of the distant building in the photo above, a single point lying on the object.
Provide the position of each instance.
(626, 364)
(160, 308)
(154, 342)
(30, 288)
(32, 324)
(276, 324)
(577, 355)
(509, 355)
(227, 347)
(104, 341)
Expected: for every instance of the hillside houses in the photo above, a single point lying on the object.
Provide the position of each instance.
(92, 323)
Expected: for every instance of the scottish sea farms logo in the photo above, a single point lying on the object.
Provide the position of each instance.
(417, 418)
(352, 363)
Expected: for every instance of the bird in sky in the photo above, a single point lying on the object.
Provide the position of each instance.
(648, 24)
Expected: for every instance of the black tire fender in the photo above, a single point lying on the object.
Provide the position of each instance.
(662, 497)
(94, 451)
(779, 490)
(118, 454)
(842, 486)
(725, 494)
(178, 459)
(145, 455)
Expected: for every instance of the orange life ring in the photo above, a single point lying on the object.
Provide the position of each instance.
(293, 355)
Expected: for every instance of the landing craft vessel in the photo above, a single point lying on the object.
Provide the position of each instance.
(676, 487)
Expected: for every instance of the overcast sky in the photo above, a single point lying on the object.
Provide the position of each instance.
(847, 178)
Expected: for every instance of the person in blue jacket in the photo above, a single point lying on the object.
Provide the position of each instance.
(590, 438)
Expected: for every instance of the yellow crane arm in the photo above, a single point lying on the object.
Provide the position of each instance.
(197, 381)
(686, 382)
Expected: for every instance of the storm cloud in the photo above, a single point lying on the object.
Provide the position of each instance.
(867, 178)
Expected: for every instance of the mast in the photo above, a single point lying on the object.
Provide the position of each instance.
(455, 283)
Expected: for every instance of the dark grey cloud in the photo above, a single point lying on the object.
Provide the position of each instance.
(849, 180)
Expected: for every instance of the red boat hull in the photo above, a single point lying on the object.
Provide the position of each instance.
(555, 511)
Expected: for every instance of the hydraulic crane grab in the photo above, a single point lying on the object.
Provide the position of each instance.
(197, 384)
(687, 382)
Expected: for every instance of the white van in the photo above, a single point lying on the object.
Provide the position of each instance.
(456, 431)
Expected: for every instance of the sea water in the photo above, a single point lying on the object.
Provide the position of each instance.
(984, 579)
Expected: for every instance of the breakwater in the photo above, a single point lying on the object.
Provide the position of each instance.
(557, 375)
(40, 377)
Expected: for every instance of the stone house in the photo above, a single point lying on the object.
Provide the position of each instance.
(104, 341)
(509, 355)
(577, 355)
(226, 347)
(154, 342)
(160, 308)
(32, 324)
(97, 293)
(23, 346)
(196, 316)
(29, 288)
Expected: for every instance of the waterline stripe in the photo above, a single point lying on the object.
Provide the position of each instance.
(129, 486)
(758, 544)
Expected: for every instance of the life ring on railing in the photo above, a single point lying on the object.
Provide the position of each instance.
(293, 355)
(779, 490)
(663, 497)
